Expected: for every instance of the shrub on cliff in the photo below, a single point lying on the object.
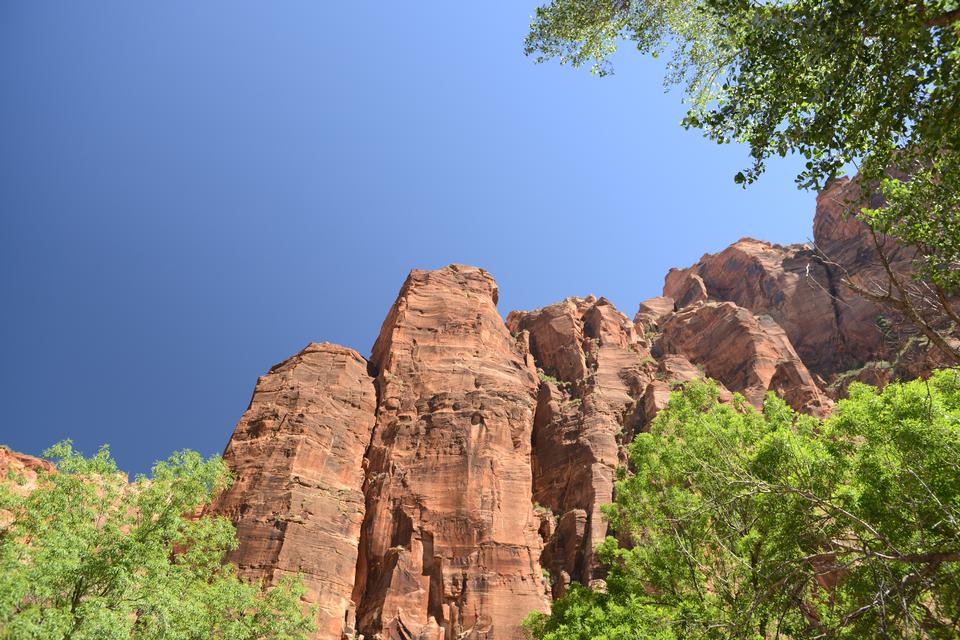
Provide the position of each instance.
(744, 524)
(88, 556)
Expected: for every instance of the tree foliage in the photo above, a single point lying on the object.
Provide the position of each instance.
(872, 83)
(743, 524)
(88, 556)
(835, 80)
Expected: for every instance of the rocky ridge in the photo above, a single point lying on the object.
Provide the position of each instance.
(452, 483)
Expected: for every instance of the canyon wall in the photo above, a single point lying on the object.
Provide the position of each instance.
(452, 484)
(297, 457)
(450, 545)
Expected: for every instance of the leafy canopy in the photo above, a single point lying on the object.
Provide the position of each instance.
(869, 82)
(744, 524)
(87, 556)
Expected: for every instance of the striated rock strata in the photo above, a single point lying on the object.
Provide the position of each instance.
(747, 353)
(838, 334)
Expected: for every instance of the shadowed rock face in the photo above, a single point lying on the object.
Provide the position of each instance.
(450, 547)
(297, 459)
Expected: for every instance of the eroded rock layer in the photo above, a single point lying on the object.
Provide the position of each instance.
(297, 460)
(450, 547)
(747, 353)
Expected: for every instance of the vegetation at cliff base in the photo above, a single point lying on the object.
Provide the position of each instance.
(85, 555)
(870, 83)
(738, 523)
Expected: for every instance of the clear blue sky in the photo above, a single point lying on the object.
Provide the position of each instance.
(192, 191)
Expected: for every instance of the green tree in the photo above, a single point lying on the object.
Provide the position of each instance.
(744, 524)
(873, 83)
(88, 556)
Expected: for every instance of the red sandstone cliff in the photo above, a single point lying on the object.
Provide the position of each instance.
(297, 459)
(449, 547)
(601, 365)
(453, 484)
(838, 334)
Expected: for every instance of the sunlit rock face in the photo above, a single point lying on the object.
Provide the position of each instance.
(450, 545)
(839, 335)
(21, 470)
(453, 483)
(747, 353)
(596, 365)
(297, 460)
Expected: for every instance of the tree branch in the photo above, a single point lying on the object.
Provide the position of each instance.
(943, 19)
(907, 306)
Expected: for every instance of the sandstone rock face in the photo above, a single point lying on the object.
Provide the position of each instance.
(18, 472)
(602, 365)
(450, 545)
(843, 238)
(789, 285)
(672, 371)
(22, 468)
(602, 384)
(453, 484)
(747, 353)
(685, 287)
(652, 311)
(889, 343)
(297, 459)
(834, 331)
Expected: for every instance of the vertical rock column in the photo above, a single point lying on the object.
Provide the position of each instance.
(449, 547)
(600, 368)
(297, 459)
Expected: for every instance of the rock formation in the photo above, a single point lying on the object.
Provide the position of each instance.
(453, 484)
(602, 365)
(22, 469)
(475, 452)
(449, 547)
(838, 334)
(747, 353)
(297, 460)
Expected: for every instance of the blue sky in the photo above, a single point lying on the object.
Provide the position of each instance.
(192, 191)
